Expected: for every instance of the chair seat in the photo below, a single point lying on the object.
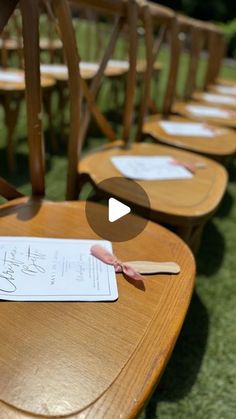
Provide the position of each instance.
(226, 82)
(182, 109)
(50, 44)
(220, 147)
(95, 359)
(10, 44)
(87, 69)
(16, 80)
(172, 201)
(141, 66)
(60, 72)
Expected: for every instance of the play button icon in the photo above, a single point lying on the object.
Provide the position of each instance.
(122, 211)
(116, 210)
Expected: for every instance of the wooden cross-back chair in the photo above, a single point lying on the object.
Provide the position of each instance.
(82, 359)
(222, 145)
(183, 205)
(224, 113)
(12, 83)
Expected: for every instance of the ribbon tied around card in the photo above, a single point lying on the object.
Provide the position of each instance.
(107, 257)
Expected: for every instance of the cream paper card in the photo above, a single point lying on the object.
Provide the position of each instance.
(207, 111)
(226, 90)
(45, 269)
(11, 77)
(186, 129)
(149, 168)
(221, 99)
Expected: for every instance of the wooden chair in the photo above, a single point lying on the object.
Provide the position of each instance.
(183, 205)
(81, 359)
(218, 113)
(12, 89)
(221, 146)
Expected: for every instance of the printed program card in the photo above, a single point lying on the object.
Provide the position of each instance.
(150, 168)
(226, 90)
(186, 129)
(11, 77)
(45, 269)
(221, 99)
(208, 111)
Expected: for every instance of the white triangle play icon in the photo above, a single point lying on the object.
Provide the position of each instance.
(116, 210)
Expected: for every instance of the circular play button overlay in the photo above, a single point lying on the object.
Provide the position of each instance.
(123, 211)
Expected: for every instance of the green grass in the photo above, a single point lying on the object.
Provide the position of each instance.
(200, 379)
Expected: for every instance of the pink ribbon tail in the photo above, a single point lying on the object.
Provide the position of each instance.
(191, 167)
(102, 254)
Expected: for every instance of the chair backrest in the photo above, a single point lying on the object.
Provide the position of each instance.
(216, 51)
(124, 11)
(153, 16)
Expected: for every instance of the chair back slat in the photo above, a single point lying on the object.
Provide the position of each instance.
(132, 16)
(153, 15)
(7, 8)
(216, 51)
(196, 46)
(63, 14)
(30, 29)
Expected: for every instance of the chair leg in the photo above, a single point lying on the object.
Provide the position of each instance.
(191, 235)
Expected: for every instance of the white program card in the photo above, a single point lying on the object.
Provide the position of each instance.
(186, 129)
(226, 100)
(45, 269)
(11, 77)
(150, 168)
(208, 111)
(226, 90)
(53, 69)
(119, 64)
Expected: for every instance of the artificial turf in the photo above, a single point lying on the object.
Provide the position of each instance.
(200, 379)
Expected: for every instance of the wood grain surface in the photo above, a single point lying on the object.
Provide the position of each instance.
(90, 359)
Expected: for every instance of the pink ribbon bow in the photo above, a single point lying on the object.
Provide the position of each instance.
(191, 167)
(110, 259)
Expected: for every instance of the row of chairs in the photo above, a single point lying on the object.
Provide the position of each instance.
(103, 360)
